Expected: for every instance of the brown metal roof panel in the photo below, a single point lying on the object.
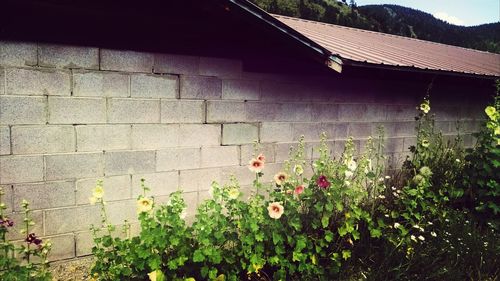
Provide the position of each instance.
(380, 48)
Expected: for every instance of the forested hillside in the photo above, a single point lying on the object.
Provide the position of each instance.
(391, 19)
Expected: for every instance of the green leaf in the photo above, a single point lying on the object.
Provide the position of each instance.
(375, 232)
(325, 220)
(276, 238)
(198, 256)
(339, 206)
(346, 254)
(328, 236)
(342, 231)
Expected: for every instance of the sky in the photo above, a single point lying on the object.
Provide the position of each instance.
(460, 12)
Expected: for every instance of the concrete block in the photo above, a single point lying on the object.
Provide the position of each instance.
(191, 199)
(182, 111)
(397, 129)
(196, 135)
(243, 175)
(199, 179)
(68, 56)
(399, 112)
(73, 166)
(154, 86)
(226, 111)
(84, 243)
(128, 61)
(119, 211)
(360, 130)
(239, 133)
(219, 156)
(200, 87)
(134, 111)
(176, 64)
(310, 131)
(337, 130)
(45, 195)
(100, 84)
(129, 162)
(115, 188)
(154, 136)
(64, 220)
(263, 111)
(63, 247)
(15, 232)
(325, 112)
(394, 145)
(103, 137)
(4, 140)
(276, 132)
(76, 110)
(23, 110)
(294, 112)
(2, 81)
(248, 152)
(177, 159)
(272, 90)
(17, 53)
(240, 90)
(43, 139)
(220, 67)
(362, 112)
(7, 197)
(409, 141)
(283, 150)
(19, 169)
(159, 184)
(37, 82)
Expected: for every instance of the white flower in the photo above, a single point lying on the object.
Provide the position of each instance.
(433, 234)
(348, 174)
(396, 225)
(347, 183)
(352, 165)
(413, 238)
(381, 196)
(422, 238)
(393, 188)
(457, 160)
(183, 214)
(387, 177)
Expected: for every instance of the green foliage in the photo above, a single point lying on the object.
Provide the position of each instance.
(329, 219)
(33, 251)
(482, 168)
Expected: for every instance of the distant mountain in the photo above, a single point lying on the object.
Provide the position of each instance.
(391, 19)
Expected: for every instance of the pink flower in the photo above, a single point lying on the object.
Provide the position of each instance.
(256, 165)
(280, 178)
(275, 210)
(262, 158)
(299, 189)
(323, 182)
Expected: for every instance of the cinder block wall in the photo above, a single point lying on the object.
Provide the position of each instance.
(72, 115)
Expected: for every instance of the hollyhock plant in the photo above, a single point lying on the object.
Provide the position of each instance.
(144, 205)
(323, 182)
(298, 190)
(261, 157)
(256, 165)
(280, 178)
(275, 210)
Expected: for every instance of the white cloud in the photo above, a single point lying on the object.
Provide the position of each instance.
(448, 18)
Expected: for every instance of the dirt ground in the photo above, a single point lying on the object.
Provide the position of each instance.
(71, 270)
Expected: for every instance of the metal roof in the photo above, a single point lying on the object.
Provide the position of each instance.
(375, 49)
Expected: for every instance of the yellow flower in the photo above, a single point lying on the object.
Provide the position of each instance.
(152, 275)
(280, 178)
(313, 260)
(298, 170)
(497, 130)
(256, 267)
(156, 275)
(425, 143)
(425, 107)
(233, 193)
(490, 111)
(92, 200)
(275, 210)
(98, 192)
(144, 205)
(190, 279)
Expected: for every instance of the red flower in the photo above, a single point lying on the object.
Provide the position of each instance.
(323, 182)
